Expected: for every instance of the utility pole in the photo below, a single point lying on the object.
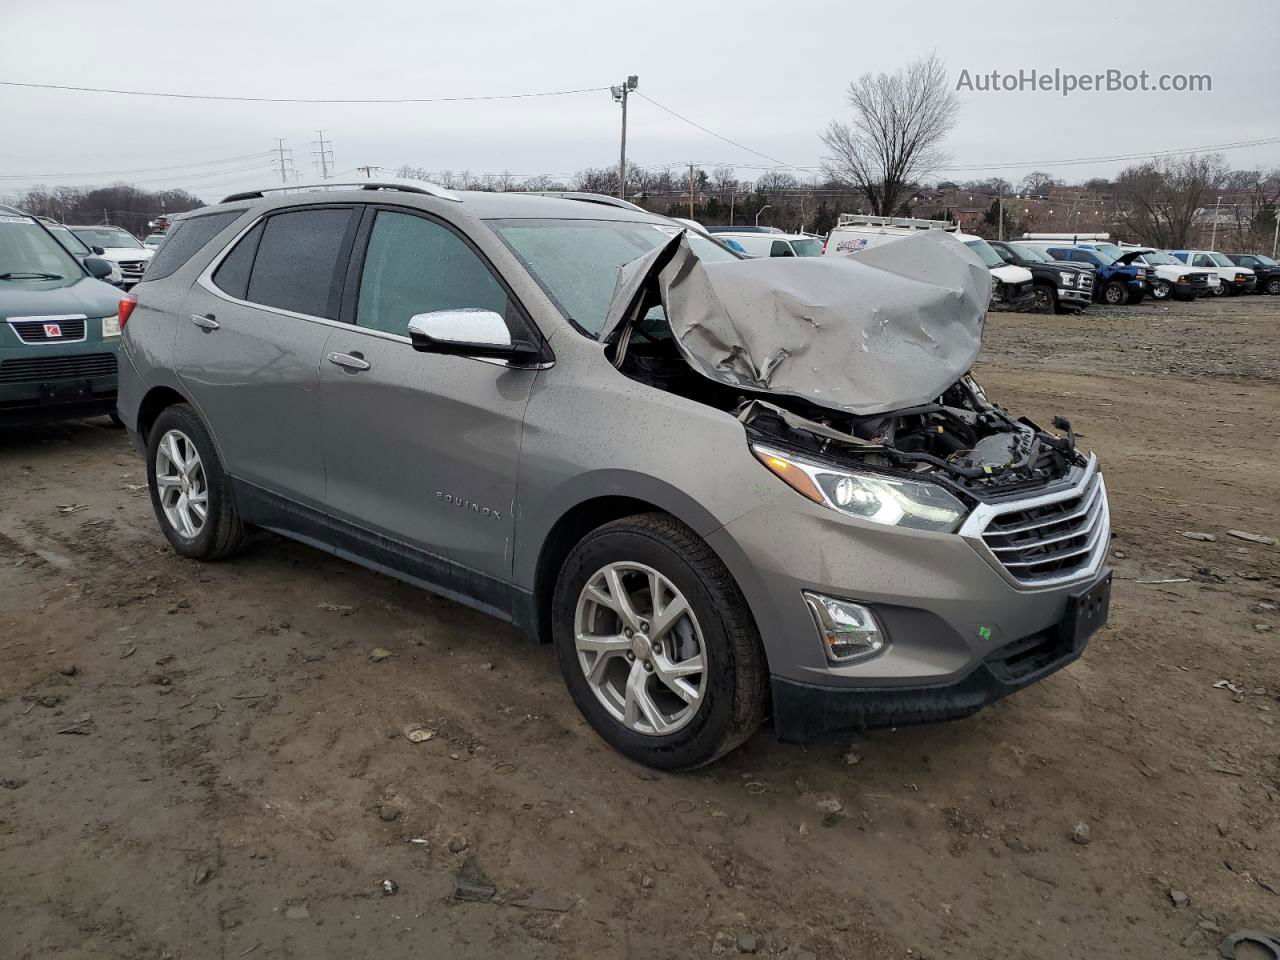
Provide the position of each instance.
(1000, 210)
(1275, 239)
(368, 169)
(324, 155)
(620, 96)
(280, 152)
(691, 191)
(1213, 240)
(733, 195)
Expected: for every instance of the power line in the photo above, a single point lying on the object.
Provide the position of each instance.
(108, 173)
(235, 99)
(740, 146)
(1111, 159)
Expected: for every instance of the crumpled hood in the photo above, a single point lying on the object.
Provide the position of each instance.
(888, 328)
(41, 298)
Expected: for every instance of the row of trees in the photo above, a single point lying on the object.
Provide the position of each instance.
(121, 204)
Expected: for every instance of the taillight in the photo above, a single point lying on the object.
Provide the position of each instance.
(127, 303)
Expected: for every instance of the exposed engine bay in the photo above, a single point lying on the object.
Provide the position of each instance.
(814, 361)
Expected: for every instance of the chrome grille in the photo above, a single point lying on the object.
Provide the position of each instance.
(38, 331)
(132, 268)
(1086, 280)
(1051, 539)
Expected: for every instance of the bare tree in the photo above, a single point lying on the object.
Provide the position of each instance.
(1163, 198)
(899, 122)
(1039, 182)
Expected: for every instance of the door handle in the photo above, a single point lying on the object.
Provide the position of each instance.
(349, 361)
(205, 322)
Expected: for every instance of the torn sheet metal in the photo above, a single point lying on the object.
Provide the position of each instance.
(889, 328)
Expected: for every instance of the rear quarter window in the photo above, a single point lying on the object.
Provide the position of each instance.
(186, 239)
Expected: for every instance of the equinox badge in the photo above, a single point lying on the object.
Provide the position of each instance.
(467, 505)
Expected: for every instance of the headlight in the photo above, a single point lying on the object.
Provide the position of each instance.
(1068, 279)
(1181, 280)
(111, 326)
(894, 502)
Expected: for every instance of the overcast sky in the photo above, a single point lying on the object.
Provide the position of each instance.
(768, 75)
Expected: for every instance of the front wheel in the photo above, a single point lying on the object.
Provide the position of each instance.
(1220, 289)
(1114, 293)
(189, 490)
(657, 645)
(1044, 299)
(1161, 289)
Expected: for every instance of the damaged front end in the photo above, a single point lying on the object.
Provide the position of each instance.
(859, 362)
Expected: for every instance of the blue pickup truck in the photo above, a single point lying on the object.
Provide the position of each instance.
(1114, 283)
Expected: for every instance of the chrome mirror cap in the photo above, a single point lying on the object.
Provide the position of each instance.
(462, 328)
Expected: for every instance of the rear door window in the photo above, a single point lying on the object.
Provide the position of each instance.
(414, 265)
(780, 248)
(185, 241)
(232, 275)
(296, 266)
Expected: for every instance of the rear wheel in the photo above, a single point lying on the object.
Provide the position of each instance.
(1220, 289)
(1273, 286)
(1161, 290)
(1114, 293)
(656, 643)
(189, 490)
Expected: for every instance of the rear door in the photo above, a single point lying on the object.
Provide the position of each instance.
(250, 342)
(422, 448)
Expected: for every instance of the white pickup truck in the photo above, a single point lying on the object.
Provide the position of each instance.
(1013, 286)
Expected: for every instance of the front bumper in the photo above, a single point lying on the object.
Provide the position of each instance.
(949, 605)
(804, 711)
(52, 380)
(1073, 297)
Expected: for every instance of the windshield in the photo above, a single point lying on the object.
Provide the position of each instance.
(576, 262)
(1157, 259)
(69, 240)
(807, 247)
(1220, 260)
(985, 251)
(27, 252)
(1266, 261)
(1028, 253)
(106, 237)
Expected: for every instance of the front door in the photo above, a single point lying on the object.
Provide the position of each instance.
(423, 448)
(250, 341)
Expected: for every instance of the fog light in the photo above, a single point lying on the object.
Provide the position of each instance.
(848, 630)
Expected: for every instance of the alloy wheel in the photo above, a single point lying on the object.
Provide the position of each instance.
(183, 488)
(641, 648)
(1161, 290)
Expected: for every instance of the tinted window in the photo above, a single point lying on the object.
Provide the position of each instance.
(780, 248)
(413, 266)
(185, 241)
(232, 275)
(295, 268)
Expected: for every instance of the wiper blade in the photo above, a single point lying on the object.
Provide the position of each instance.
(30, 275)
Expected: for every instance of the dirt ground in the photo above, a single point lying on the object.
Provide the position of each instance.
(223, 773)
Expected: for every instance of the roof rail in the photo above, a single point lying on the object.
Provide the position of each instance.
(911, 223)
(11, 211)
(405, 186)
(601, 198)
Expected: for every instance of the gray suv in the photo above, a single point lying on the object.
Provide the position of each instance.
(722, 488)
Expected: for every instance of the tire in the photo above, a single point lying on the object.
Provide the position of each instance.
(1273, 286)
(220, 533)
(1115, 293)
(1044, 299)
(1161, 290)
(1220, 289)
(732, 686)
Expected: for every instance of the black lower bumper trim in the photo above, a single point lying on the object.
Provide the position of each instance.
(803, 712)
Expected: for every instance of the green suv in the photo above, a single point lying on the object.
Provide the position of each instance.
(59, 326)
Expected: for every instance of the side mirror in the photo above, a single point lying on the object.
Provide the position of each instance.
(466, 332)
(98, 268)
(98, 250)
